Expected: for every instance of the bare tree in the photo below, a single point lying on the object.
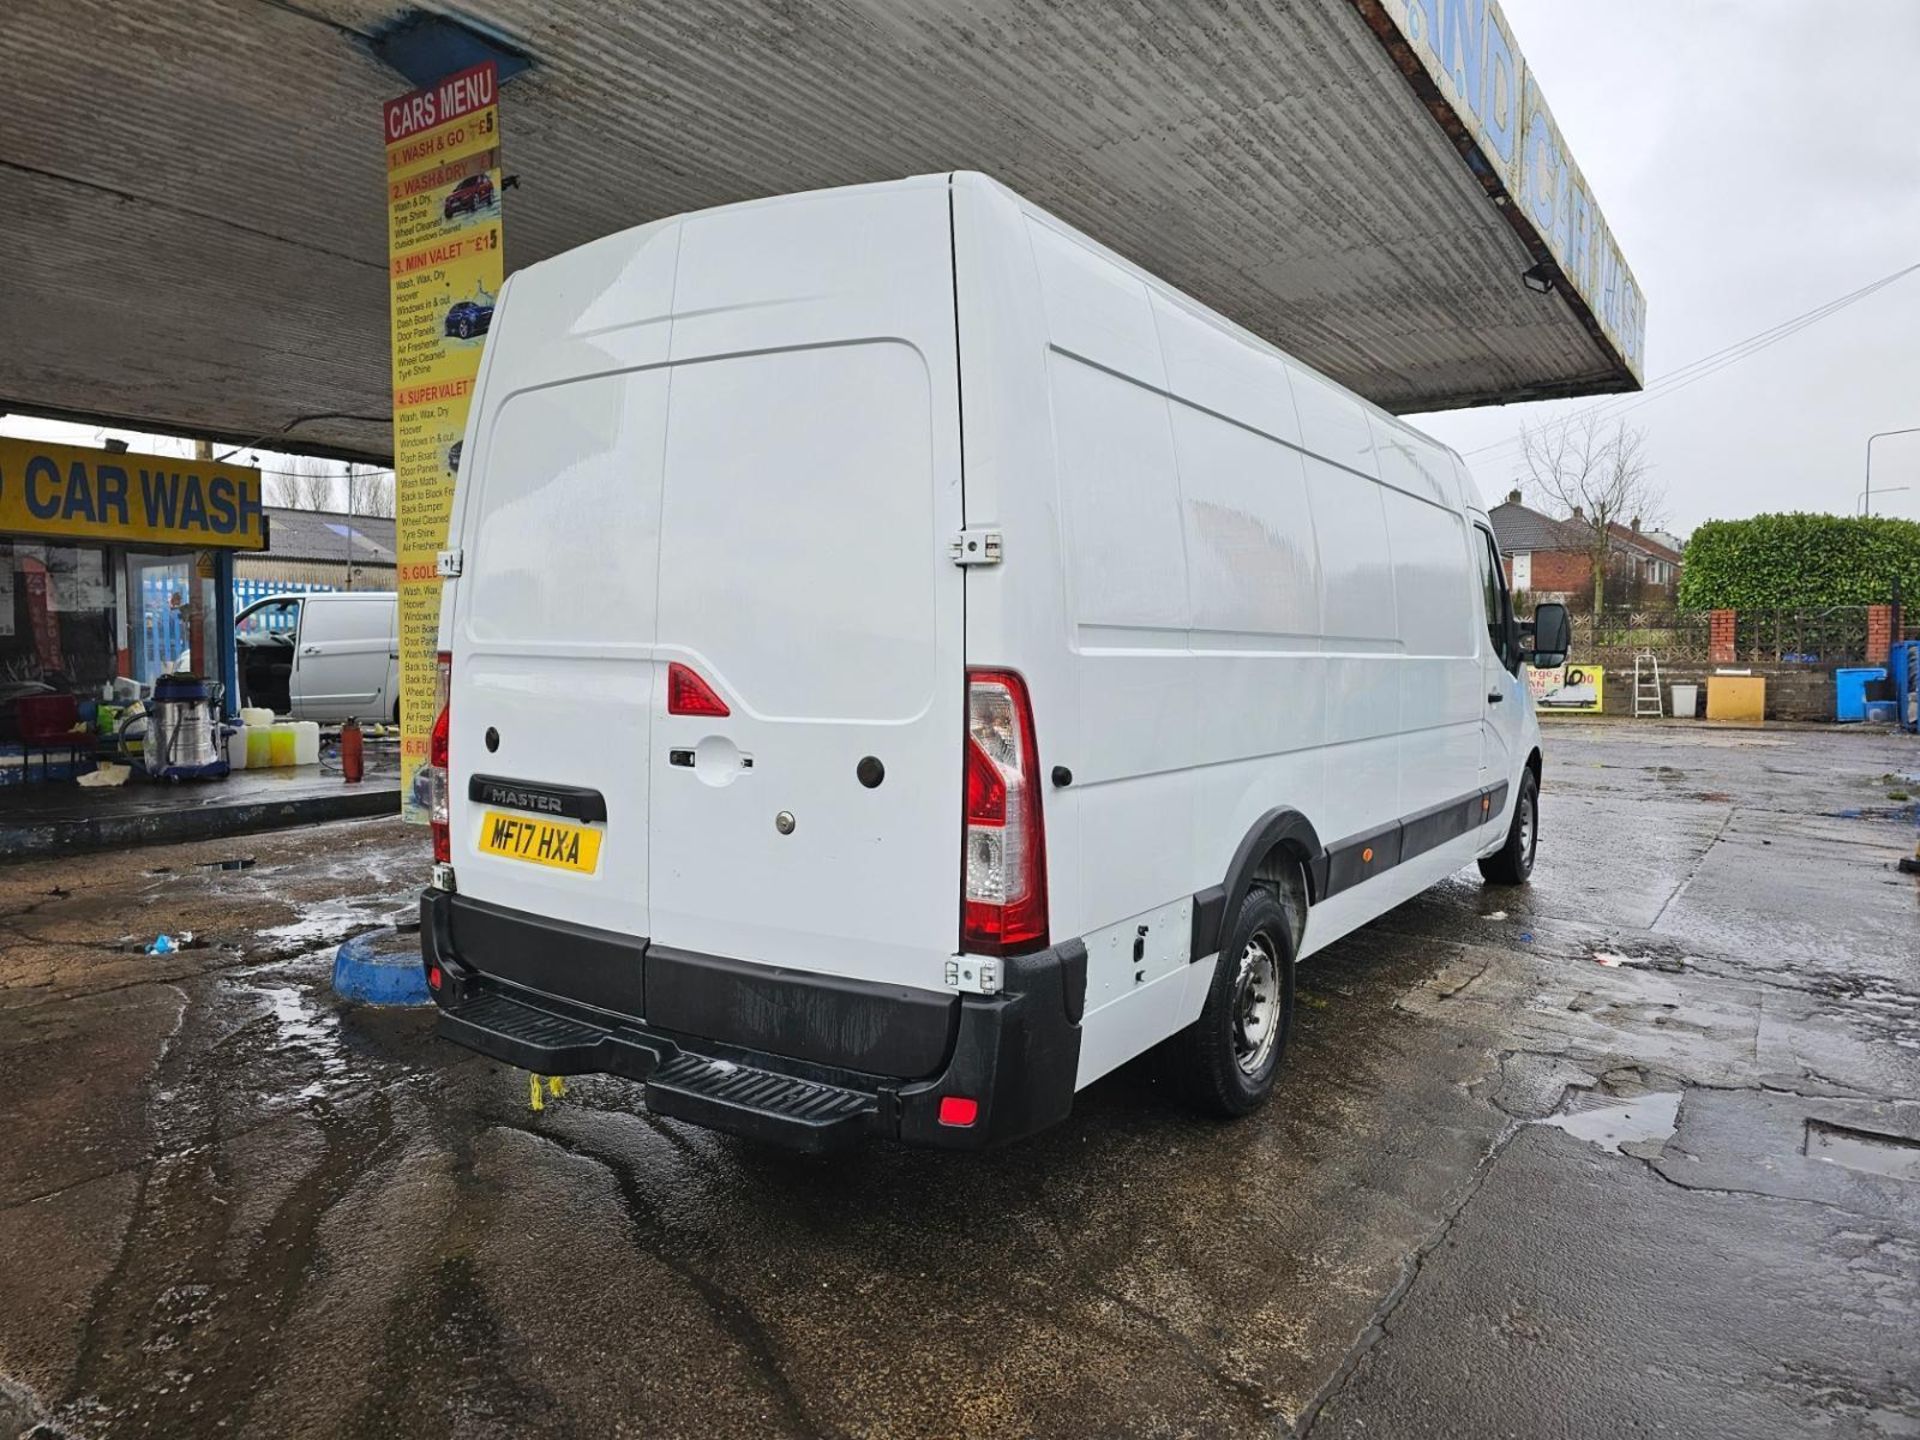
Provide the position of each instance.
(302, 482)
(1597, 474)
(370, 492)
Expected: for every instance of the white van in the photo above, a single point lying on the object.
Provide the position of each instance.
(904, 661)
(322, 655)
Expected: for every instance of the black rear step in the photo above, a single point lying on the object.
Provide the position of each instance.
(760, 1104)
(803, 1114)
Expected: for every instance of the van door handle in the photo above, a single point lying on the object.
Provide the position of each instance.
(310, 650)
(1494, 697)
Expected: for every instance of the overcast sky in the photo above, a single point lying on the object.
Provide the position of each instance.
(1755, 159)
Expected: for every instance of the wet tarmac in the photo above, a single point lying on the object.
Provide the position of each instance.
(1633, 1149)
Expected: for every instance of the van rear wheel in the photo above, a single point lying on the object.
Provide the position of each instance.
(1512, 863)
(1229, 1057)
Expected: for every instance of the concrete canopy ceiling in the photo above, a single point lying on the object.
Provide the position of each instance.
(193, 193)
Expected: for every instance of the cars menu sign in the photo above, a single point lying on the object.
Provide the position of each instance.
(444, 270)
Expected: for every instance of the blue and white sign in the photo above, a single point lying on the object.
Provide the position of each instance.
(1466, 47)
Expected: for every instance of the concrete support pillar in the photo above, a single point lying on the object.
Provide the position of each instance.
(1720, 650)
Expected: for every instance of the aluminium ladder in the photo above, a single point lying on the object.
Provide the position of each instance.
(1646, 691)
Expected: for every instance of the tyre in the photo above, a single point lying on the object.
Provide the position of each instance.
(1512, 863)
(464, 329)
(1229, 1057)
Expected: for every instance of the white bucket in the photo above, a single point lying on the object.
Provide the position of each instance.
(1686, 701)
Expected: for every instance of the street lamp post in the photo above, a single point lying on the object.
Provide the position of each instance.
(1867, 507)
(1860, 500)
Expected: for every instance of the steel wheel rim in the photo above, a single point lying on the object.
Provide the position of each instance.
(1256, 1005)
(1526, 826)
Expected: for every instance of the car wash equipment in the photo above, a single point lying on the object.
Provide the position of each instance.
(183, 740)
(353, 758)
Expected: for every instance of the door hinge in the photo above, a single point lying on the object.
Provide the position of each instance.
(449, 563)
(974, 975)
(975, 547)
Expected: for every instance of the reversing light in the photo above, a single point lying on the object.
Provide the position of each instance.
(1003, 879)
(440, 811)
(958, 1110)
(689, 694)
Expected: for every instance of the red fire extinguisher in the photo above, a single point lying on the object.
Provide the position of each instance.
(352, 754)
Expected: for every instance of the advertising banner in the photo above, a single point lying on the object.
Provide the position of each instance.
(1568, 689)
(444, 269)
(83, 494)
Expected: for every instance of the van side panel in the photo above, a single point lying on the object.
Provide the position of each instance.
(1262, 598)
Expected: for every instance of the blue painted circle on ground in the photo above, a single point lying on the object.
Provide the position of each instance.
(381, 967)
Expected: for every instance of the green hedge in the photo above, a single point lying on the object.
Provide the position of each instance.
(1784, 562)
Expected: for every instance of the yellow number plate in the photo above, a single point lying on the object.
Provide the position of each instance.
(543, 842)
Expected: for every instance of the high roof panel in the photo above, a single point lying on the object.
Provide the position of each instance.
(196, 234)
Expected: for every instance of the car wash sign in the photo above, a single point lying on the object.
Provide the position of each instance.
(106, 495)
(444, 269)
(1465, 48)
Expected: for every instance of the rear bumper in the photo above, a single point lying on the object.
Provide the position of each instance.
(814, 1062)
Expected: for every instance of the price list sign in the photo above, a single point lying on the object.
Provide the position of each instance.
(444, 271)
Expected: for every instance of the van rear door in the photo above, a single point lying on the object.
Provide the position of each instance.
(728, 443)
(812, 485)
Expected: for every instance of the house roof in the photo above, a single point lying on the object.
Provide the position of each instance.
(1644, 541)
(329, 535)
(1520, 530)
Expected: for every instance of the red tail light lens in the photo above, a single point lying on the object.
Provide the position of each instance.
(1003, 881)
(688, 694)
(958, 1110)
(441, 813)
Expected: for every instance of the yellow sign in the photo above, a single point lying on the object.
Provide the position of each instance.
(444, 270)
(83, 494)
(1568, 689)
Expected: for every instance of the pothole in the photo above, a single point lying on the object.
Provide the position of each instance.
(1612, 1125)
(1895, 1156)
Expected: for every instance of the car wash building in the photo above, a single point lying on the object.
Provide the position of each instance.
(115, 568)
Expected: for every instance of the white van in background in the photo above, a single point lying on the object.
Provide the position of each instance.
(323, 655)
(904, 661)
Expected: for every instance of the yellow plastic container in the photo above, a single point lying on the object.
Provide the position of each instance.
(1737, 697)
(259, 747)
(280, 744)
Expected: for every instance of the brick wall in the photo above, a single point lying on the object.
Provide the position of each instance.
(1794, 692)
(1558, 572)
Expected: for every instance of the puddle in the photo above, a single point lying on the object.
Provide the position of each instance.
(1908, 814)
(1894, 1156)
(1672, 962)
(327, 922)
(1630, 1122)
(244, 862)
(303, 1027)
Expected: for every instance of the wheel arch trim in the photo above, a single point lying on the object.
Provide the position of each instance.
(1282, 828)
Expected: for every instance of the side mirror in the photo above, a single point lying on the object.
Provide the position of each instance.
(1552, 636)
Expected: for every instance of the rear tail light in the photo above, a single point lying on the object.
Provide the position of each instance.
(440, 814)
(1003, 883)
(689, 694)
